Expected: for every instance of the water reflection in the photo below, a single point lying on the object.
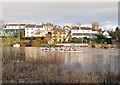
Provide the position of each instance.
(90, 64)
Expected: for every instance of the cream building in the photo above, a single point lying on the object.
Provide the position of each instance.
(33, 30)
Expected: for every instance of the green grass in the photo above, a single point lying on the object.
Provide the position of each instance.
(72, 43)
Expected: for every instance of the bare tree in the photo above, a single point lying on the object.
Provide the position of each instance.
(95, 25)
(1, 22)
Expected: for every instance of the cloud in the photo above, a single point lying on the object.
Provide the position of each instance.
(64, 12)
(110, 27)
(60, 0)
(108, 21)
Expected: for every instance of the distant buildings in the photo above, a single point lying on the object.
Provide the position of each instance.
(33, 30)
(56, 32)
(58, 35)
(82, 32)
(29, 30)
(12, 29)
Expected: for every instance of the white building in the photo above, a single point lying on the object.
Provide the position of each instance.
(29, 30)
(11, 26)
(40, 31)
(48, 28)
(105, 33)
(12, 29)
(83, 32)
(33, 30)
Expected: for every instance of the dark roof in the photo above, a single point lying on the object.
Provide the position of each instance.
(86, 28)
(103, 31)
(30, 25)
(39, 26)
(3, 26)
(22, 24)
(66, 27)
(75, 28)
(12, 24)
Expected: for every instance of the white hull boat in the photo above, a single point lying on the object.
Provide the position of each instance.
(16, 45)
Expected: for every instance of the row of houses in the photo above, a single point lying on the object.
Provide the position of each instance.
(57, 32)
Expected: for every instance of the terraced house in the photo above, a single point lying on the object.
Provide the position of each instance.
(12, 29)
(33, 30)
(81, 32)
(59, 35)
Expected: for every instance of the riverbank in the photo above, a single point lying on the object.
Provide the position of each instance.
(73, 45)
(103, 46)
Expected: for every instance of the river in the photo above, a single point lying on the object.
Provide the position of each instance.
(29, 65)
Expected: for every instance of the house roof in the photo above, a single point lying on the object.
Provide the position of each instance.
(39, 26)
(12, 24)
(86, 28)
(66, 27)
(104, 31)
(22, 24)
(75, 28)
(30, 25)
(3, 26)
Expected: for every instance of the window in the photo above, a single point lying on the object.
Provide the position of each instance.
(31, 32)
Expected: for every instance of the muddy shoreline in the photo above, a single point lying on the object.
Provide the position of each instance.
(89, 46)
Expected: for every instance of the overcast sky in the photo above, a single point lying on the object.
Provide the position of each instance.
(60, 12)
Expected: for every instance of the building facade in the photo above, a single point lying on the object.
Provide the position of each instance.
(33, 30)
(83, 32)
(59, 35)
(12, 29)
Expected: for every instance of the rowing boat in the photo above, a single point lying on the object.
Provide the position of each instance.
(58, 51)
(68, 51)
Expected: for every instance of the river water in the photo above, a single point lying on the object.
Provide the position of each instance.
(29, 65)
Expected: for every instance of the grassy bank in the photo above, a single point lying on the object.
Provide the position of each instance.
(72, 43)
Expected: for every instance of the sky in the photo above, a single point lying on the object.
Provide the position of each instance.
(61, 13)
